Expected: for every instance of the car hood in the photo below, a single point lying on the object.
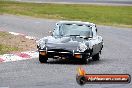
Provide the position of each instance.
(66, 43)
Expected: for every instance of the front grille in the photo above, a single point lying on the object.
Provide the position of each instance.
(59, 52)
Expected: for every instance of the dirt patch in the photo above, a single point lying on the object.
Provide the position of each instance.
(17, 43)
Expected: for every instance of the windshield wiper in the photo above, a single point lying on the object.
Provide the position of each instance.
(74, 35)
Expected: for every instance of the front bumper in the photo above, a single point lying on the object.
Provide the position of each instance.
(63, 53)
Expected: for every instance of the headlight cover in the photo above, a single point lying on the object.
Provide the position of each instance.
(82, 47)
(41, 44)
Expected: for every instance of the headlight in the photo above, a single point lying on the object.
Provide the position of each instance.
(82, 47)
(41, 44)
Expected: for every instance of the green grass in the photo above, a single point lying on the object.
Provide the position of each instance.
(6, 49)
(106, 15)
(2, 34)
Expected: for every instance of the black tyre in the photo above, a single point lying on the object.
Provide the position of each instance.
(43, 59)
(96, 57)
(83, 61)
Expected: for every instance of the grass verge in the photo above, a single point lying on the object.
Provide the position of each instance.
(12, 44)
(6, 49)
(106, 15)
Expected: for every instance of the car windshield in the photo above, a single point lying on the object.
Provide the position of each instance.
(75, 30)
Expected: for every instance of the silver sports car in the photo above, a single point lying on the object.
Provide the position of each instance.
(71, 40)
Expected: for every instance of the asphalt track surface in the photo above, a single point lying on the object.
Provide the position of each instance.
(116, 58)
(100, 2)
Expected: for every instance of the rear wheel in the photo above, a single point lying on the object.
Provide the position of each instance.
(42, 59)
(96, 57)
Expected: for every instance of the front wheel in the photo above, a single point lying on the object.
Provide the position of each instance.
(42, 59)
(83, 60)
(96, 57)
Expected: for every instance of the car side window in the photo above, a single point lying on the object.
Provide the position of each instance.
(96, 28)
(56, 31)
(94, 31)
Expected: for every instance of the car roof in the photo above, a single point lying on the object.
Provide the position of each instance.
(76, 22)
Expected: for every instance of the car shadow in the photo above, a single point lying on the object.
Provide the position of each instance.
(74, 62)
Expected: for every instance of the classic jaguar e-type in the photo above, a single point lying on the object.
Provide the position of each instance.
(71, 40)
